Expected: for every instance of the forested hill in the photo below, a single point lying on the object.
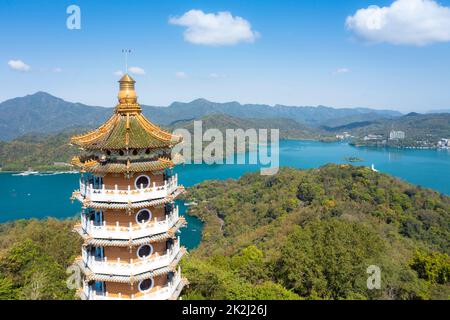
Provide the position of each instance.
(289, 129)
(300, 234)
(44, 113)
(38, 151)
(312, 234)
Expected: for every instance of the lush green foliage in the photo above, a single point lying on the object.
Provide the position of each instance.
(34, 256)
(39, 152)
(313, 233)
(434, 267)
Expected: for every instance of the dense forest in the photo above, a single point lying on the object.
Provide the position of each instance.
(39, 152)
(312, 234)
(300, 234)
(34, 255)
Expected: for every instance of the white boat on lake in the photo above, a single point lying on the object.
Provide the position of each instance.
(26, 173)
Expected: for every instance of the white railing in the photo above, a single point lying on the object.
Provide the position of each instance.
(133, 266)
(130, 193)
(160, 293)
(137, 230)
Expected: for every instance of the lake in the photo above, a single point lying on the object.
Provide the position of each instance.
(45, 195)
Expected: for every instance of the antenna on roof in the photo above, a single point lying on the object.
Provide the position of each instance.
(126, 52)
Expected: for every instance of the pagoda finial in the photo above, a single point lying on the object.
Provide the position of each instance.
(126, 52)
(127, 95)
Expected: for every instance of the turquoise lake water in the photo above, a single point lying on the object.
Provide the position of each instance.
(48, 195)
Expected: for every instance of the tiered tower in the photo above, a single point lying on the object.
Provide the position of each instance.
(128, 220)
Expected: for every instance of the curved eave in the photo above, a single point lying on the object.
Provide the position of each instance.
(127, 130)
(96, 167)
(85, 139)
(131, 242)
(133, 279)
(86, 203)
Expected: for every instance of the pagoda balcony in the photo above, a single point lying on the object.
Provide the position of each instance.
(130, 194)
(134, 231)
(133, 266)
(170, 291)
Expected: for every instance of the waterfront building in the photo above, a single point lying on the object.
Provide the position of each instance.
(373, 137)
(444, 143)
(396, 135)
(129, 221)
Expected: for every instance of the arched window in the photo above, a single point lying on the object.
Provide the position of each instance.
(145, 251)
(146, 285)
(142, 180)
(143, 216)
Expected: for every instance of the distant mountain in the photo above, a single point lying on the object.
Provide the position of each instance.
(44, 113)
(311, 116)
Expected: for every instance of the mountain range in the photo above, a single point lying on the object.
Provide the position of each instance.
(43, 113)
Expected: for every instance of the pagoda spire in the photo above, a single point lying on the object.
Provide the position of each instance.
(127, 96)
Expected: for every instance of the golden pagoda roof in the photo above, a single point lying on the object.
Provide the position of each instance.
(96, 167)
(127, 128)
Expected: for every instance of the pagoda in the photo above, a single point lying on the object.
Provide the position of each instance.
(128, 221)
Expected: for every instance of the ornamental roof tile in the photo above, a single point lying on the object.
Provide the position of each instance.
(127, 127)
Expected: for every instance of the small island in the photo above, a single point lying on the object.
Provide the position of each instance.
(353, 159)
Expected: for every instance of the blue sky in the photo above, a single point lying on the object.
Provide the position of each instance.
(277, 52)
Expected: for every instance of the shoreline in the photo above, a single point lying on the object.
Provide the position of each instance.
(376, 147)
(42, 172)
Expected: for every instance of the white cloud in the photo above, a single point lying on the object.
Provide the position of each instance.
(118, 73)
(404, 22)
(214, 29)
(341, 71)
(136, 70)
(57, 70)
(19, 65)
(181, 75)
